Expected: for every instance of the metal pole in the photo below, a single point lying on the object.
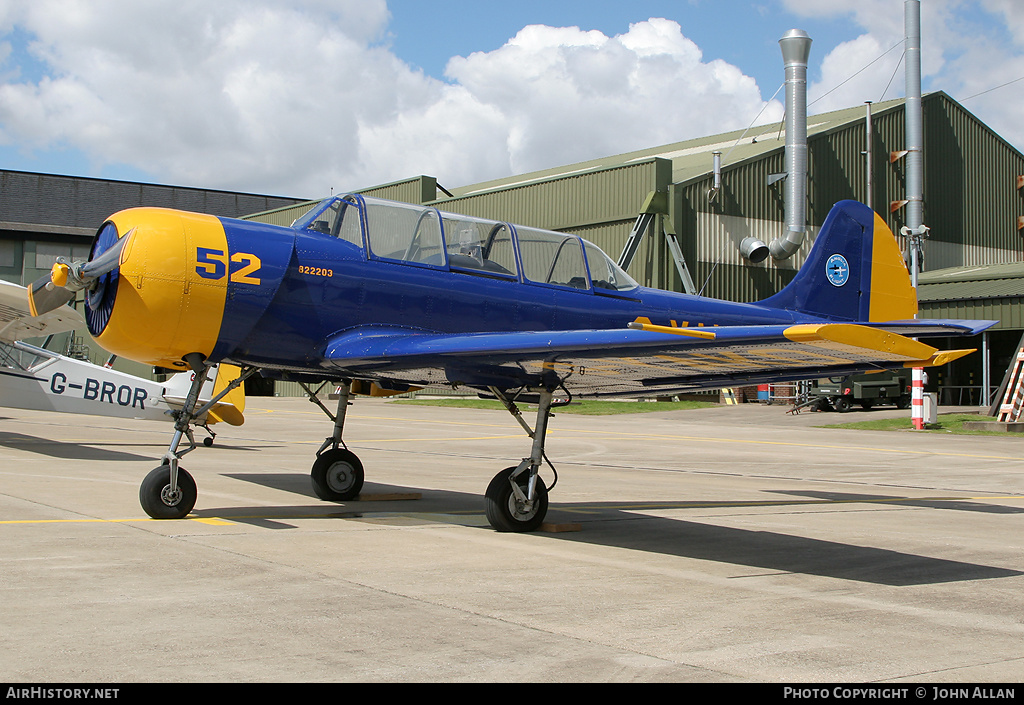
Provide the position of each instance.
(986, 380)
(868, 161)
(915, 170)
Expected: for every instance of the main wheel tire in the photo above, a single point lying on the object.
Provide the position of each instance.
(160, 501)
(866, 404)
(505, 512)
(842, 404)
(337, 475)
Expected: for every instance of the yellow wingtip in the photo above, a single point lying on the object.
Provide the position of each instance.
(941, 357)
(843, 336)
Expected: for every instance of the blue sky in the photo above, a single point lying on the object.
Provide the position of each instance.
(302, 97)
(743, 33)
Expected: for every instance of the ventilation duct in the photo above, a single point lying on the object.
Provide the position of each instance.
(796, 47)
(753, 249)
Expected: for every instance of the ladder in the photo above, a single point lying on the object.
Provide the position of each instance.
(1013, 390)
(1009, 400)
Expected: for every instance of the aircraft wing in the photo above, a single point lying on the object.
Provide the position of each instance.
(17, 322)
(640, 360)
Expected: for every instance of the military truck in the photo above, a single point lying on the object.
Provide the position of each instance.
(866, 389)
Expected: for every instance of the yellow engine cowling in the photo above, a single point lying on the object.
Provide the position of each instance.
(164, 307)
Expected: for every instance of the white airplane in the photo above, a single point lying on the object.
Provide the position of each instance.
(35, 378)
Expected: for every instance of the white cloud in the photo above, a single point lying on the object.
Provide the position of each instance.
(298, 99)
(570, 95)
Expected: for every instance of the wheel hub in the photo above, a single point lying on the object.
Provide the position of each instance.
(170, 496)
(340, 477)
(522, 511)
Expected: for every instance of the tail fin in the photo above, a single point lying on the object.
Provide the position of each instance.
(854, 272)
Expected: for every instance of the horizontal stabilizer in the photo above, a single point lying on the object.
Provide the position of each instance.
(936, 327)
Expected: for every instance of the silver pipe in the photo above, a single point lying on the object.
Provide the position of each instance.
(796, 47)
(869, 164)
(914, 229)
(753, 249)
(914, 122)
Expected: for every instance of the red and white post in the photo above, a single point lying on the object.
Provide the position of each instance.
(917, 398)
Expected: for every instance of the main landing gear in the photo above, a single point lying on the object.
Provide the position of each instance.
(169, 492)
(516, 499)
(337, 473)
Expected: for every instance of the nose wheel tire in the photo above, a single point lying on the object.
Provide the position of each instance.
(337, 475)
(506, 512)
(161, 501)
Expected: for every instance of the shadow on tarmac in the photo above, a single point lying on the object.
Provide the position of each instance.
(67, 451)
(83, 451)
(620, 525)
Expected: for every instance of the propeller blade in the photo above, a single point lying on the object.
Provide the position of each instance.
(59, 286)
(106, 262)
(43, 296)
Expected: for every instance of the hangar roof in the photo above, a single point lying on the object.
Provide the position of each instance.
(989, 281)
(692, 159)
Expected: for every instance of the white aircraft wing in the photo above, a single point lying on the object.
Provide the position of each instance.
(17, 322)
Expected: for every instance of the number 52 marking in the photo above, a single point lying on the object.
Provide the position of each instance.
(214, 264)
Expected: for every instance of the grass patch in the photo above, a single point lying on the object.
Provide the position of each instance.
(947, 423)
(593, 408)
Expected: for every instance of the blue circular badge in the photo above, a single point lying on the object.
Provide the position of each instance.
(837, 269)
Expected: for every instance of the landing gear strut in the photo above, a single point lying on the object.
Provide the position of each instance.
(517, 499)
(337, 473)
(169, 492)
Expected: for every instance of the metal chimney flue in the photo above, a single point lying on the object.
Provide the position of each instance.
(796, 47)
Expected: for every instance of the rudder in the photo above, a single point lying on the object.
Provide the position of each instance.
(854, 272)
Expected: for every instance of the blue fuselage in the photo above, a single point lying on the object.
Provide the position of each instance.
(331, 285)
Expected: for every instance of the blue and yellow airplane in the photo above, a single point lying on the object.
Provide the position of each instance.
(382, 297)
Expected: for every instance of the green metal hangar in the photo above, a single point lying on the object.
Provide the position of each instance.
(720, 223)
